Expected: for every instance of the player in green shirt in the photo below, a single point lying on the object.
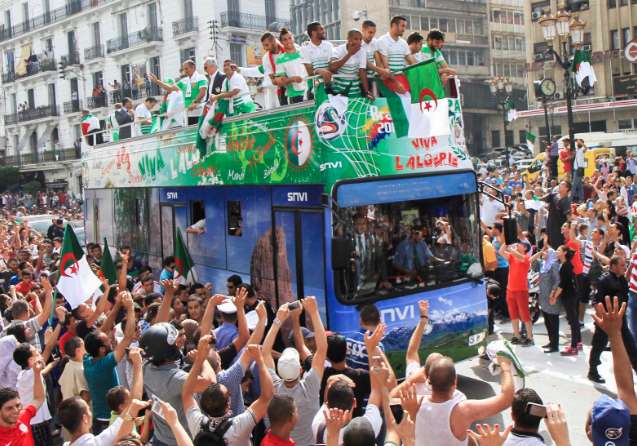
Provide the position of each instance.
(435, 41)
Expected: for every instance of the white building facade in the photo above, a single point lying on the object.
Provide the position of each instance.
(56, 54)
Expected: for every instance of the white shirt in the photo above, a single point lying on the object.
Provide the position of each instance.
(142, 114)
(394, 50)
(489, 209)
(354, 63)
(580, 159)
(370, 49)
(25, 389)
(106, 438)
(9, 370)
(319, 56)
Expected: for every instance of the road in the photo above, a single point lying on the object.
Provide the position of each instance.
(557, 379)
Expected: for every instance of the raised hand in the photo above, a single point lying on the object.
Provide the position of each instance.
(169, 413)
(60, 313)
(611, 316)
(423, 306)
(372, 341)
(46, 285)
(169, 286)
(240, 298)
(487, 436)
(409, 400)
(261, 311)
(135, 356)
(283, 312)
(556, 424)
(309, 304)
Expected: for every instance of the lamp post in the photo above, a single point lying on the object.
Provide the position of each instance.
(558, 29)
(501, 88)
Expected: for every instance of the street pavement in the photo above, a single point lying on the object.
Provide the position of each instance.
(557, 379)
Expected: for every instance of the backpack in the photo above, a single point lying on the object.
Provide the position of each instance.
(207, 437)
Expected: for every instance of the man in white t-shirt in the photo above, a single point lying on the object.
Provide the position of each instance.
(489, 210)
(317, 52)
(393, 49)
(235, 90)
(349, 63)
(143, 116)
(291, 72)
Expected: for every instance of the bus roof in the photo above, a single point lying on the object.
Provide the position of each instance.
(307, 143)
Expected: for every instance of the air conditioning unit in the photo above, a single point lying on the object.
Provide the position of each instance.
(535, 15)
(583, 6)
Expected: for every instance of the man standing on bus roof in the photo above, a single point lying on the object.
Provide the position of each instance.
(317, 52)
(432, 50)
(235, 90)
(393, 51)
(357, 357)
(194, 88)
(349, 62)
(370, 46)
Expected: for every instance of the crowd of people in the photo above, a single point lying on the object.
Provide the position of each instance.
(286, 75)
(153, 360)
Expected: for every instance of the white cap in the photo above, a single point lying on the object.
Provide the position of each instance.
(289, 365)
(227, 307)
(252, 318)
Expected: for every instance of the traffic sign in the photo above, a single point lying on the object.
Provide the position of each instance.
(630, 52)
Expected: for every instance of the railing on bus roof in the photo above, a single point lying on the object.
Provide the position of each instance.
(453, 87)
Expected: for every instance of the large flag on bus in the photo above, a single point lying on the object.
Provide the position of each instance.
(76, 281)
(107, 265)
(184, 265)
(422, 110)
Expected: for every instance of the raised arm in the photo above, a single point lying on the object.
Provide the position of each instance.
(101, 304)
(473, 410)
(318, 361)
(257, 335)
(206, 320)
(122, 280)
(192, 382)
(170, 415)
(109, 323)
(299, 343)
(48, 301)
(610, 319)
(371, 343)
(163, 315)
(51, 336)
(281, 315)
(414, 342)
(137, 388)
(129, 330)
(38, 389)
(165, 86)
(260, 406)
(243, 333)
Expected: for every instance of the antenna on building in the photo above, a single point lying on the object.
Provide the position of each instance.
(213, 34)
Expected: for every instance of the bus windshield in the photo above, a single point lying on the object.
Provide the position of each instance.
(404, 247)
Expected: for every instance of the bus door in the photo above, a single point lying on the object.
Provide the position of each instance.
(298, 237)
(172, 215)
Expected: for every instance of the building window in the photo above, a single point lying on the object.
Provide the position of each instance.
(236, 53)
(497, 42)
(495, 138)
(624, 124)
(612, 3)
(614, 40)
(518, 18)
(522, 135)
(625, 36)
(187, 54)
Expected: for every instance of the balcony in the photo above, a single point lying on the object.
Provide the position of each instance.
(35, 113)
(11, 119)
(60, 155)
(235, 19)
(127, 91)
(133, 40)
(9, 77)
(42, 65)
(93, 102)
(73, 58)
(185, 26)
(72, 106)
(94, 52)
(71, 8)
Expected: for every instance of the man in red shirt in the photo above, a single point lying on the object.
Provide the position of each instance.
(517, 296)
(26, 283)
(283, 418)
(15, 421)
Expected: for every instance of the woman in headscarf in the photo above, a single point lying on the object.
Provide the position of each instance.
(549, 268)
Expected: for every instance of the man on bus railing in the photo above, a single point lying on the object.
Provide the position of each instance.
(370, 46)
(235, 90)
(349, 63)
(317, 53)
(435, 41)
(393, 52)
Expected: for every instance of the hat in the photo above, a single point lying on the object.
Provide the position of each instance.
(289, 365)
(252, 318)
(306, 332)
(610, 422)
(227, 307)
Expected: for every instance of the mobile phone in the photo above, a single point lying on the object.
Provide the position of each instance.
(397, 412)
(536, 410)
(156, 407)
(294, 305)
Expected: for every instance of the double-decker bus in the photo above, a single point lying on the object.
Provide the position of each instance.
(319, 199)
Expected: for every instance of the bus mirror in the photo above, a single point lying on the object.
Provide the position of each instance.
(342, 250)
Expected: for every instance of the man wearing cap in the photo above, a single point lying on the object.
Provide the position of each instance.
(227, 331)
(287, 376)
(610, 423)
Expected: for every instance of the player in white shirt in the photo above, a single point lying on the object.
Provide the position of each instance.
(143, 116)
(415, 41)
(349, 63)
(273, 49)
(393, 52)
(370, 46)
(317, 52)
(291, 72)
(235, 90)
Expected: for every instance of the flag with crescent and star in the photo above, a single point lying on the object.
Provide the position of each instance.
(184, 266)
(421, 111)
(77, 282)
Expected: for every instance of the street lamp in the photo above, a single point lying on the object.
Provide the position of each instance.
(561, 27)
(501, 88)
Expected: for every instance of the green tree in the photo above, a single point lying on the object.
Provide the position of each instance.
(32, 187)
(9, 177)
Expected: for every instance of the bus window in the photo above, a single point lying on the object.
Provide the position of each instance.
(400, 248)
(197, 218)
(235, 221)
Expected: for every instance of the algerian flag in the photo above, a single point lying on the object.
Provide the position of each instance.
(210, 123)
(582, 67)
(512, 113)
(107, 265)
(89, 123)
(76, 281)
(420, 112)
(530, 140)
(184, 265)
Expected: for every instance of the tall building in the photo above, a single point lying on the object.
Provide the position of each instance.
(609, 106)
(57, 53)
(507, 40)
